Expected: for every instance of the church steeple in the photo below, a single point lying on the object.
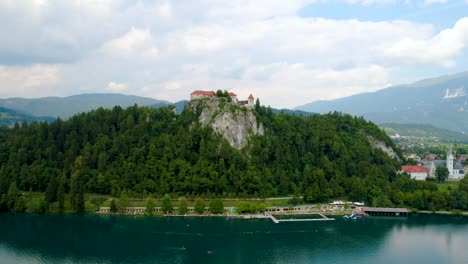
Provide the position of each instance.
(449, 162)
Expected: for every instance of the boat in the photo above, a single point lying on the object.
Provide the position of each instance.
(352, 216)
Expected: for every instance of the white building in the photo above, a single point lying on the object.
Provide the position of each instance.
(416, 172)
(455, 168)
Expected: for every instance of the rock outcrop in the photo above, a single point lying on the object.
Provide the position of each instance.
(235, 123)
(376, 144)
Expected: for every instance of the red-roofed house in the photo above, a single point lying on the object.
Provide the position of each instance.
(199, 94)
(416, 172)
(233, 96)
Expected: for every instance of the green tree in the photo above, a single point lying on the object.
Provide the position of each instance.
(12, 196)
(183, 206)
(216, 206)
(439, 200)
(442, 174)
(199, 206)
(20, 205)
(61, 195)
(243, 207)
(77, 187)
(43, 207)
(295, 200)
(167, 204)
(113, 207)
(150, 205)
(262, 207)
(463, 184)
(124, 201)
(51, 191)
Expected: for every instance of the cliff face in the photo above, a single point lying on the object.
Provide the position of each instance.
(233, 122)
(376, 144)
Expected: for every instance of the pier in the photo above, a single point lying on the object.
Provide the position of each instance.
(277, 221)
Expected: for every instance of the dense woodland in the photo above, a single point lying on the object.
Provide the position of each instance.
(142, 151)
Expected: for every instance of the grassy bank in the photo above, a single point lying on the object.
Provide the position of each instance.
(94, 201)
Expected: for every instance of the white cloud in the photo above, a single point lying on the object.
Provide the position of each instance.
(441, 48)
(165, 49)
(430, 2)
(116, 87)
(164, 10)
(371, 2)
(136, 42)
(27, 81)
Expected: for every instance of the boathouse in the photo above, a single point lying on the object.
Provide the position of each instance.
(385, 211)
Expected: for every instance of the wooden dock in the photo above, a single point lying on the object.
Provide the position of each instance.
(277, 221)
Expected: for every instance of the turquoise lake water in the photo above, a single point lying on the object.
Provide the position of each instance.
(111, 239)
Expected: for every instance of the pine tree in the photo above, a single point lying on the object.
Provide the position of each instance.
(61, 195)
(51, 191)
(77, 189)
(12, 196)
(113, 207)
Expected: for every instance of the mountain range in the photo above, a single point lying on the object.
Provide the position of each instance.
(65, 107)
(9, 117)
(442, 102)
(17, 109)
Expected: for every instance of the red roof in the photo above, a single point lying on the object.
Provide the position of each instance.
(232, 94)
(413, 169)
(251, 96)
(207, 93)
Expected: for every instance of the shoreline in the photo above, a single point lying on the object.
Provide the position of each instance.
(460, 213)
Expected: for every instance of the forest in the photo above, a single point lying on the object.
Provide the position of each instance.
(145, 151)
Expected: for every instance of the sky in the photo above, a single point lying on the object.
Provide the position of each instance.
(287, 53)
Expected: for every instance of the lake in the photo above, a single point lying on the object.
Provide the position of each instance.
(124, 239)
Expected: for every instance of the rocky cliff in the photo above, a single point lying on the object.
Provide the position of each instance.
(376, 144)
(235, 123)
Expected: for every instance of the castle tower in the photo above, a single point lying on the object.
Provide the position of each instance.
(251, 101)
(449, 162)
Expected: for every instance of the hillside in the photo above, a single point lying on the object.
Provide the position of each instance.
(145, 150)
(65, 107)
(9, 117)
(441, 102)
(425, 133)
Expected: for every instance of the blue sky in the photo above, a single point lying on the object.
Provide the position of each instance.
(287, 53)
(441, 15)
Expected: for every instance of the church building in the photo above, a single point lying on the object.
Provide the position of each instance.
(455, 168)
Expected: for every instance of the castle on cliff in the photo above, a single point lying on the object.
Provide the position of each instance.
(199, 94)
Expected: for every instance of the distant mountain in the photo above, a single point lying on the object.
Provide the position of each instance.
(9, 117)
(65, 107)
(425, 132)
(442, 102)
(291, 112)
(178, 105)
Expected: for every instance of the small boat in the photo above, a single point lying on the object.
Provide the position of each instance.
(183, 248)
(352, 216)
(210, 252)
